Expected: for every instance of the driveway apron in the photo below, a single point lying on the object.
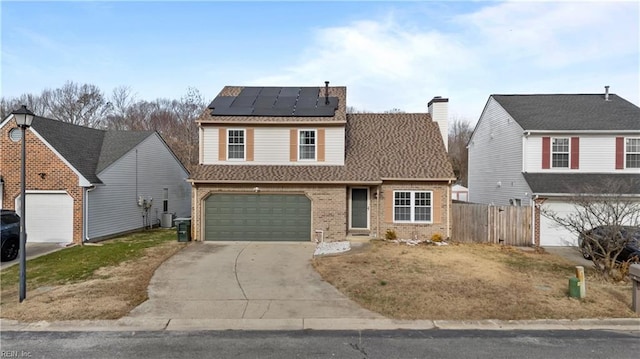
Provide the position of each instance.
(244, 281)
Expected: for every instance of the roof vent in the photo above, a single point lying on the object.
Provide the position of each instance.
(326, 92)
(606, 93)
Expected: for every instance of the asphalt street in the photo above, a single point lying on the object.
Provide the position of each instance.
(323, 344)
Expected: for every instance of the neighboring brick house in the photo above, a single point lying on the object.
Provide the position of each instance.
(86, 184)
(543, 149)
(288, 163)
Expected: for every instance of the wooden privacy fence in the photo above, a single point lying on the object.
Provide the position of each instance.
(509, 225)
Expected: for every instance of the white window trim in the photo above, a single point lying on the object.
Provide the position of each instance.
(412, 206)
(625, 151)
(244, 144)
(551, 153)
(315, 144)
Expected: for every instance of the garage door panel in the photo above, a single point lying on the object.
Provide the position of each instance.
(261, 217)
(552, 234)
(49, 217)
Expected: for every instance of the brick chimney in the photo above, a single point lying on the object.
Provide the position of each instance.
(439, 111)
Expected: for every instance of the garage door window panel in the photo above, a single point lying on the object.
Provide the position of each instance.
(236, 144)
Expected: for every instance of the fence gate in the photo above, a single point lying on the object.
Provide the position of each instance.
(481, 223)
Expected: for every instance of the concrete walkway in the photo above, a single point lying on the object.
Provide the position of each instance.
(244, 281)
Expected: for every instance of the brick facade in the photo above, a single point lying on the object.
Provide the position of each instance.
(330, 208)
(44, 171)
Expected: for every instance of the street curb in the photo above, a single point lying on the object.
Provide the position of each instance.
(166, 324)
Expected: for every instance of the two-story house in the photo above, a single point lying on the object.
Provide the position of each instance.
(543, 149)
(290, 164)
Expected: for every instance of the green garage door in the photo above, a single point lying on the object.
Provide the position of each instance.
(257, 217)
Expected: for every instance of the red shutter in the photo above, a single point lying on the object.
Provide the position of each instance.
(546, 152)
(619, 153)
(575, 153)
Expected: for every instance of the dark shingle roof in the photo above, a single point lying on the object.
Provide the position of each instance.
(567, 183)
(378, 146)
(116, 144)
(571, 112)
(88, 150)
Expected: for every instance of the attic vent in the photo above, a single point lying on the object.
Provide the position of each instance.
(15, 134)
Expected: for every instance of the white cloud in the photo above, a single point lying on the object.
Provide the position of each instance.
(548, 47)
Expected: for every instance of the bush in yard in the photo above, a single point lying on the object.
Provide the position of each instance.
(390, 235)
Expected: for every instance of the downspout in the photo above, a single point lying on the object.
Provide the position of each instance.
(378, 211)
(85, 220)
(449, 211)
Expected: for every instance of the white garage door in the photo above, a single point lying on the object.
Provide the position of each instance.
(49, 217)
(551, 234)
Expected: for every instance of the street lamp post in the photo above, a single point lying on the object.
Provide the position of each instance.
(23, 118)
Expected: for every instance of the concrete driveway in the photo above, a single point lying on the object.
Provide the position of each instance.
(571, 253)
(35, 250)
(244, 281)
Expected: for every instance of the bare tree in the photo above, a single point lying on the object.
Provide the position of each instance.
(77, 104)
(33, 103)
(612, 212)
(459, 134)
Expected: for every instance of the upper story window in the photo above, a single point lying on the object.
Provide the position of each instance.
(632, 153)
(560, 153)
(411, 206)
(307, 145)
(235, 144)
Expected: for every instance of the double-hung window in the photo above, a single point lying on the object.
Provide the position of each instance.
(235, 143)
(633, 152)
(412, 206)
(560, 153)
(307, 145)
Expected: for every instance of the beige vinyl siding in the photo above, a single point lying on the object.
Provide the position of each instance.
(495, 158)
(274, 146)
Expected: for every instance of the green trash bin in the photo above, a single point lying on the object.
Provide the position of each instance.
(183, 226)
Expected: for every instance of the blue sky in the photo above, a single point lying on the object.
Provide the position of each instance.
(388, 54)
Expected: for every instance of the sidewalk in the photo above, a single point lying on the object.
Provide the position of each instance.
(132, 324)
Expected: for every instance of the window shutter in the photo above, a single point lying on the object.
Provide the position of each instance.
(293, 145)
(388, 205)
(546, 152)
(619, 153)
(575, 153)
(436, 204)
(249, 144)
(222, 144)
(320, 146)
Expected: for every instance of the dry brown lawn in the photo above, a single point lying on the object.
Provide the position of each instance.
(109, 294)
(469, 282)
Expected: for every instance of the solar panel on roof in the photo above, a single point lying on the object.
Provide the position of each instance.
(285, 101)
(233, 111)
(221, 101)
(244, 101)
(289, 91)
(264, 101)
(250, 91)
(275, 101)
(281, 111)
(270, 91)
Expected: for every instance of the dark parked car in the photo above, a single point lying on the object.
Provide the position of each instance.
(604, 235)
(10, 228)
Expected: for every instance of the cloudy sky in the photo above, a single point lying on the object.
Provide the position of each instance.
(388, 54)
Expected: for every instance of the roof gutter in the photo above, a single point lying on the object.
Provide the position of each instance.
(195, 181)
(442, 179)
(625, 195)
(529, 132)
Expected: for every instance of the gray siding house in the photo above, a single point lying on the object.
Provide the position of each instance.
(541, 150)
(86, 184)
